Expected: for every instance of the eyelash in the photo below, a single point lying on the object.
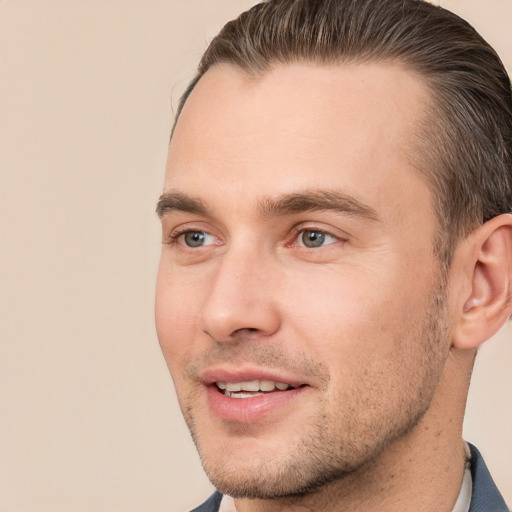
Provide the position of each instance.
(174, 237)
(300, 229)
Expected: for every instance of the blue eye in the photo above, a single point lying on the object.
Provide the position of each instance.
(198, 238)
(312, 238)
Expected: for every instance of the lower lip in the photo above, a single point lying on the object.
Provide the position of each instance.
(249, 410)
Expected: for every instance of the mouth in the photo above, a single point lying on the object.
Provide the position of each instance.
(251, 395)
(252, 388)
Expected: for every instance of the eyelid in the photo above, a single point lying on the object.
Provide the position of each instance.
(180, 238)
(300, 228)
(174, 234)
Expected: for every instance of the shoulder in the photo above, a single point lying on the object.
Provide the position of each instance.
(485, 496)
(212, 504)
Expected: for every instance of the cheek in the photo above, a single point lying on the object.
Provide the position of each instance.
(357, 326)
(333, 305)
(175, 320)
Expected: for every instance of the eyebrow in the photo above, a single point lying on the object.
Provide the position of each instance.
(287, 204)
(176, 201)
(317, 200)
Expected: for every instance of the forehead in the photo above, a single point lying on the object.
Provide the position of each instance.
(299, 126)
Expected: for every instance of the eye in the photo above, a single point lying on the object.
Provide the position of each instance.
(197, 238)
(313, 238)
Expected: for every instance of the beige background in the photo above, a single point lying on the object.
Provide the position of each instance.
(88, 418)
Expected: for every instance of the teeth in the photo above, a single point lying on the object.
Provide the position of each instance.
(252, 386)
(267, 385)
(243, 395)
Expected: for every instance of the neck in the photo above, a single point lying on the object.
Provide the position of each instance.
(423, 469)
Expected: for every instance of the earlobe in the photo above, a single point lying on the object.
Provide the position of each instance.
(488, 304)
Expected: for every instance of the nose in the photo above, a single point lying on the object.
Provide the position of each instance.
(241, 299)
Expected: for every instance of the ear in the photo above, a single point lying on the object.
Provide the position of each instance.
(486, 304)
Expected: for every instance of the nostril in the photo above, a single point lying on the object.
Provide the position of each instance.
(234, 319)
(244, 331)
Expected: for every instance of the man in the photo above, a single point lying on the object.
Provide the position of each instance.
(337, 243)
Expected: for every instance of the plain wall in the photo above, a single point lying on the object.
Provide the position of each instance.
(88, 417)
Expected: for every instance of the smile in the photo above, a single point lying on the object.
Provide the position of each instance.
(249, 389)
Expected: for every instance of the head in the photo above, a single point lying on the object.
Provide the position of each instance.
(334, 204)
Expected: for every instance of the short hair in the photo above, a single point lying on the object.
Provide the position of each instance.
(464, 144)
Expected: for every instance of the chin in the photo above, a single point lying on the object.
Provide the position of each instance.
(250, 469)
(274, 479)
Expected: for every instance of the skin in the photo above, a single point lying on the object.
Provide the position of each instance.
(365, 321)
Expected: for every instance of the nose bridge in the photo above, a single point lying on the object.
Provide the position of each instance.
(239, 297)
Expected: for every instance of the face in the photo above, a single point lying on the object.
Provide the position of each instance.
(299, 305)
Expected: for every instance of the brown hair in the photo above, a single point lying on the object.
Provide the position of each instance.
(464, 147)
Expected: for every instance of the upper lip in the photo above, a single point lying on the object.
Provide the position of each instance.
(225, 374)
